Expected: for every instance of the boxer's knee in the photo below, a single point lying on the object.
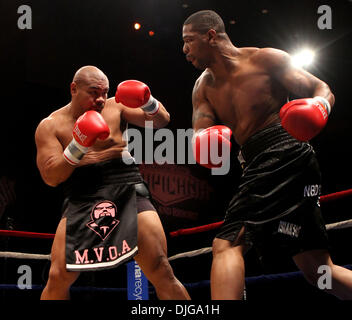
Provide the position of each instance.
(162, 266)
(160, 271)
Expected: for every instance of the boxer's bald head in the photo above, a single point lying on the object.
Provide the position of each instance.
(88, 74)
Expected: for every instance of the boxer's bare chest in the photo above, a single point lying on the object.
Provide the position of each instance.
(245, 100)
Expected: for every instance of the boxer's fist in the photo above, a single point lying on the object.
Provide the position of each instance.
(209, 143)
(305, 118)
(88, 128)
(136, 94)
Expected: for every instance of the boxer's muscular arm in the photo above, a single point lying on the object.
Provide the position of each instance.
(52, 166)
(203, 114)
(295, 80)
(207, 136)
(138, 117)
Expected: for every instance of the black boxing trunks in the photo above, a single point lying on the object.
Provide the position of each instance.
(277, 201)
(101, 210)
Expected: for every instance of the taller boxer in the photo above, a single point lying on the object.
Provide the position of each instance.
(80, 146)
(246, 90)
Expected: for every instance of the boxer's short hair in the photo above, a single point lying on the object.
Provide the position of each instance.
(204, 20)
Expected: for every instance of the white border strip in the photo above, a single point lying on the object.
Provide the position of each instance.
(100, 264)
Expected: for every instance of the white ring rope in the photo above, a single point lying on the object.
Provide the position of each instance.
(20, 255)
(188, 254)
(339, 225)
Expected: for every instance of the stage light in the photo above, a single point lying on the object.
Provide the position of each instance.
(136, 26)
(151, 33)
(303, 58)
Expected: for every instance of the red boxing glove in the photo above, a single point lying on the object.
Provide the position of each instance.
(136, 94)
(305, 118)
(208, 143)
(89, 127)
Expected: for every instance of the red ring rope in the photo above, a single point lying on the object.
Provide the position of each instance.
(336, 195)
(25, 234)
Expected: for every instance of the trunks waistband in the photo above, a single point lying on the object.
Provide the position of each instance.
(263, 139)
(102, 173)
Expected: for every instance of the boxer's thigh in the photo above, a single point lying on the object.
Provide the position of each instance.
(58, 251)
(152, 247)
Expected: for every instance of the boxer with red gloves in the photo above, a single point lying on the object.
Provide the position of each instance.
(246, 90)
(80, 146)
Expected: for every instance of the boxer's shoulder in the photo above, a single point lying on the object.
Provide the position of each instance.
(58, 119)
(205, 79)
(57, 115)
(111, 103)
(270, 57)
(248, 51)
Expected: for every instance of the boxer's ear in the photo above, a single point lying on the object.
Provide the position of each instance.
(73, 88)
(211, 34)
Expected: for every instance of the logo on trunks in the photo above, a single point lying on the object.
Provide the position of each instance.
(103, 218)
(290, 229)
(312, 190)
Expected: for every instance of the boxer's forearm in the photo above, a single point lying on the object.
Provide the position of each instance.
(323, 90)
(160, 119)
(56, 170)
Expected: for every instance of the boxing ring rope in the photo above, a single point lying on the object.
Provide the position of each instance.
(180, 232)
(193, 253)
(188, 254)
(21, 255)
(26, 234)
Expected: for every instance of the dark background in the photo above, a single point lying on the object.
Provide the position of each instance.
(37, 67)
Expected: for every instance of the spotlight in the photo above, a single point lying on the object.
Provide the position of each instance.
(136, 26)
(303, 58)
(151, 33)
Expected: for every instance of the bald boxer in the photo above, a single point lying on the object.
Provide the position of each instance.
(81, 143)
(245, 90)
